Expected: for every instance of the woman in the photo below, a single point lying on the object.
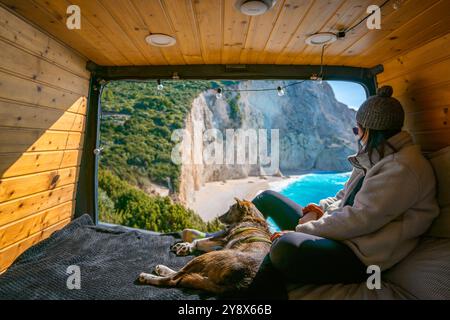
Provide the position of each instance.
(388, 202)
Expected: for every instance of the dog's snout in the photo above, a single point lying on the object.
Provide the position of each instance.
(224, 217)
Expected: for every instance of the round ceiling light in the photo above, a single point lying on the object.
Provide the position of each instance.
(254, 7)
(160, 40)
(321, 38)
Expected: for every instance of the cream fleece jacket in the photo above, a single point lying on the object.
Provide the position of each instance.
(394, 207)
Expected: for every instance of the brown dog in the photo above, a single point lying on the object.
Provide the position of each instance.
(245, 243)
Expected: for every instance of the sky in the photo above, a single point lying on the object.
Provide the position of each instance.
(350, 93)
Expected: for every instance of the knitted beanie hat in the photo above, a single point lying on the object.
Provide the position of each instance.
(381, 112)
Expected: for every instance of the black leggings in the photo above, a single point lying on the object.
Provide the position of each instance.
(302, 258)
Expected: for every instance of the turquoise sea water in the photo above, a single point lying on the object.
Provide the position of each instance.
(311, 187)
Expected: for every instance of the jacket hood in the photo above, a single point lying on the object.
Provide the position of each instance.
(399, 141)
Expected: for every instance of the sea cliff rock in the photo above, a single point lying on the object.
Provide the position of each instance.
(314, 129)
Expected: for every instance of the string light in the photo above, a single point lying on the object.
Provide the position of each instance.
(316, 77)
(219, 94)
(160, 86)
(280, 91)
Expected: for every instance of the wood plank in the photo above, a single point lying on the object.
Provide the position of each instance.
(20, 62)
(24, 228)
(156, 21)
(361, 38)
(16, 164)
(99, 17)
(313, 22)
(56, 10)
(433, 97)
(9, 254)
(289, 19)
(431, 76)
(25, 116)
(27, 91)
(435, 119)
(17, 187)
(414, 61)
(182, 18)
(432, 140)
(426, 26)
(126, 31)
(391, 19)
(210, 22)
(235, 29)
(16, 209)
(350, 13)
(54, 26)
(19, 140)
(259, 33)
(24, 35)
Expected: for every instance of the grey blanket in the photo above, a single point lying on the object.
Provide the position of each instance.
(110, 260)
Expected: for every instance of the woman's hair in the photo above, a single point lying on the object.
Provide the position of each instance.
(377, 140)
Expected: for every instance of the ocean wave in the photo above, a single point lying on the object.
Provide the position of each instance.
(283, 184)
(279, 186)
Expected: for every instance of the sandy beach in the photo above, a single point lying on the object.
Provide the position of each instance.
(214, 198)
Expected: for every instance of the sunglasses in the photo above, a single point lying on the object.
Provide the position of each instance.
(355, 130)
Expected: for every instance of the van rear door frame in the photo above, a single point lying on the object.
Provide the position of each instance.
(86, 198)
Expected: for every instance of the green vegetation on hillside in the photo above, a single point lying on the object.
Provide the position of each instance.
(136, 127)
(121, 203)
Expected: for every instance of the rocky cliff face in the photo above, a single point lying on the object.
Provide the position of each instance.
(314, 129)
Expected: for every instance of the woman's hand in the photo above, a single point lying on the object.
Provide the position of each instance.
(311, 212)
(276, 235)
(312, 207)
(310, 216)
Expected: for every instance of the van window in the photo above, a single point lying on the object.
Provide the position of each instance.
(176, 153)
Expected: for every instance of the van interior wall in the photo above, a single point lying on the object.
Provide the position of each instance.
(43, 89)
(421, 81)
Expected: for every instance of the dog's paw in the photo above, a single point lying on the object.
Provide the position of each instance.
(182, 248)
(145, 277)
(163, 271)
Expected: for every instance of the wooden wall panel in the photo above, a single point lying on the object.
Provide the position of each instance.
(43, 97)
(421, 81)
(14, 210)
(10, 253)
(18, 187)
(19, 230)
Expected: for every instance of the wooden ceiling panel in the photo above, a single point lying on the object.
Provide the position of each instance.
(129, 18)
(315, 18)
(56, 10)
(110, 29)
(181, 15)
(260, 26)
(235, 31)
(209, 15)
(353, 13)
(213, 31)
(291, 15)
(48, 22)
(417, 24)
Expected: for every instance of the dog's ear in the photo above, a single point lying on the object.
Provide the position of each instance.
(238, 201)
